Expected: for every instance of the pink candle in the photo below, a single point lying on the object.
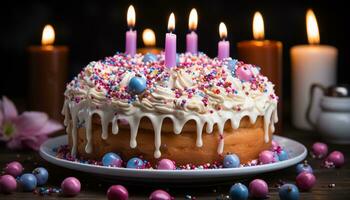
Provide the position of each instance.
(131, 35)
(223, 46)
(170, 44)
(192, 38)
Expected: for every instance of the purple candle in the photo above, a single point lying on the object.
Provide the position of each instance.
(223, 46)
(170, 43)
(192, 38)
(131, 35)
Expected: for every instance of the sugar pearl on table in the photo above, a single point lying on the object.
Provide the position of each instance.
(41, 174)
(160, 195)
(304, 167)
(28, 182)
(239, 192)
(70, 186)
(258, 188)
(117, 192)
(289, 192)
(244, 73)
(305, 181)
(166, 164)
(319, 149)
(8, 184)
(14, 169)
(266, 157)
(337, 158)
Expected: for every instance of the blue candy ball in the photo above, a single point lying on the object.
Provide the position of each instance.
(41, 174)
(149, 57)
(231, 64)
(112, 159)
(304, 167)
(137, 85)
(28, 182)
(289, 192)
(239, 192)
(135, 163)
(282, 155)
(231, 161)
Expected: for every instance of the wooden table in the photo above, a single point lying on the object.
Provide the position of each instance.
(95, 188)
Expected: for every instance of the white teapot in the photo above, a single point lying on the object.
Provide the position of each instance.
(333, 121)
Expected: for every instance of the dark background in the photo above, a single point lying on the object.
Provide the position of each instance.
(95, 29)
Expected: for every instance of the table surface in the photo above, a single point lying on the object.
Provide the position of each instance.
(95, 188)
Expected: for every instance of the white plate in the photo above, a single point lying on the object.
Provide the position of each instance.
(296, 151)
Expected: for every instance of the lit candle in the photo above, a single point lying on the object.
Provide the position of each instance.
(223, 45)
(267, 54)
(149, 40)
(170, 43)
(311, 63)
(192, 38)
(47, 74)
(131, 35)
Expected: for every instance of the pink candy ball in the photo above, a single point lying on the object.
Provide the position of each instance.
(266, 157)
(337, 158)
(258, 188)
(14, 169)
(117, 192)
(319, 149)
(70, 186)
(274, 145)
(8, 184)
(166, 164)
(244, 72)
(160, 195)
(305, 181)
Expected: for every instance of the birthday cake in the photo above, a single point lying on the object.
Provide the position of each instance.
(195, 112)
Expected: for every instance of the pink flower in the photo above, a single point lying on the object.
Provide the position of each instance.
(30, 129)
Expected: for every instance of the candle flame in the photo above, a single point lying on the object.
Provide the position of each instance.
(131, 16)
(148, 37)
(313, 35)
(222, 30)
(193, 20)
(258, 26)
(48, 36)
(171, 22)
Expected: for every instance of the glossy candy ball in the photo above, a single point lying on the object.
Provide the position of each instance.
(304, 167)
(70, 186)
(28, 182)
(244, 73)
(14, 169)
(337, 158)
(231, 161)
(258, 188)
(166, 164)
(160, 195)
(41, 175)
(112, 159)
(305, 181)
(239, 192)
(8, 184)
(137, 85)
(274, 145)
(266, 157)
(135, 163)
(117, 192)
(282, 155)
(149, 57)
(289, 192)
(319, 149)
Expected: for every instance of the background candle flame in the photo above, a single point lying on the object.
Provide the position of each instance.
(148, 37)
(131, 16)
(258, 26)
(193, 20)
(313, 35)
(171, 22)
(48, 36)
(222, 30)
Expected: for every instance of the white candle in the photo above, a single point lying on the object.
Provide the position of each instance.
(312, 63)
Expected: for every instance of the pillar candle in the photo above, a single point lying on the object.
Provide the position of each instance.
(47, 75)
(170, 43)
(311, 63)
(192, 38)
(267, 54)
(223, 46)
(131, 35)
